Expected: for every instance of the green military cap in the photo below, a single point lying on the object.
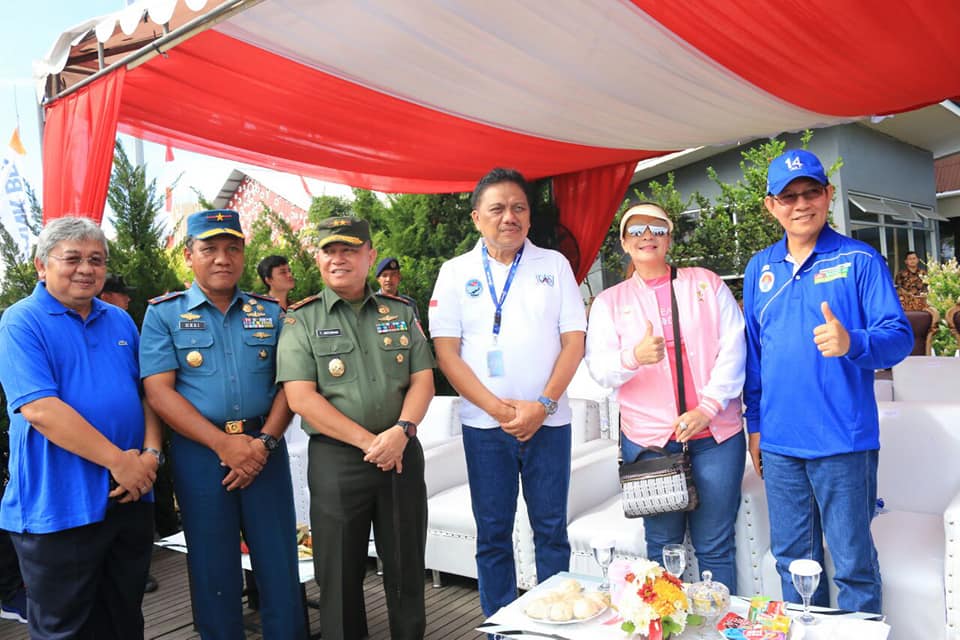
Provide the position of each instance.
(346, 229)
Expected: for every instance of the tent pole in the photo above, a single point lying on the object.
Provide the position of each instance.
(164, 43)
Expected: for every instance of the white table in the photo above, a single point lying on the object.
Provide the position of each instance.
(512, 620)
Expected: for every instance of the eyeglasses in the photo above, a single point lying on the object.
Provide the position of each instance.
(790, 199)
(637, 230)
(97, 262)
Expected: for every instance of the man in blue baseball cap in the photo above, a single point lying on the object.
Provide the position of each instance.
(208, 362)
(388, 275)
(821, 315)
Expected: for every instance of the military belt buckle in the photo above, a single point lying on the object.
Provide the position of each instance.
(233, 427)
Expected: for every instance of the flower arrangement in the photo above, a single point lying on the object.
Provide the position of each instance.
(650, 601)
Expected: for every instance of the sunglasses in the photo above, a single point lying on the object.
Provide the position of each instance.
(637, 230)
(791, 198)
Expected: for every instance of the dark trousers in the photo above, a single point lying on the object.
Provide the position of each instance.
(212, 520)
(346, 496)
(87, 583)
(10, 578)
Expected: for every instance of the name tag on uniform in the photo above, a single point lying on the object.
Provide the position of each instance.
(390, 327)
(257, 323)
(328, 333)
(193, 324)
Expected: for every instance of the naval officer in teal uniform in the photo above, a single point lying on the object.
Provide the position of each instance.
(208, 363)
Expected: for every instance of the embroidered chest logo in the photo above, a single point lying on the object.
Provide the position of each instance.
(545, 278)
(766, 281)
(473, 288)
(701, 290)
(831, 273)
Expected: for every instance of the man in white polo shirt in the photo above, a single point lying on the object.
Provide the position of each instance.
(508, 327)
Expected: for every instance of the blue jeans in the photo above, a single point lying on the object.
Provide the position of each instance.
(833, 497)
(495, 461)
(717, 474)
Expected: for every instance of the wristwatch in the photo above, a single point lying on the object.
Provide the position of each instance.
(157, 453)
(409, 428)
(269, 442)
(548, 404)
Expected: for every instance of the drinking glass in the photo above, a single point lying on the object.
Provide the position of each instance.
(806, 577)
(603, 553)
(674, 559)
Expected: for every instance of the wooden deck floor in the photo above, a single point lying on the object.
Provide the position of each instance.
(453, 611)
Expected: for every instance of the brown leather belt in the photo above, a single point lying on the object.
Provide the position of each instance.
(234, 427)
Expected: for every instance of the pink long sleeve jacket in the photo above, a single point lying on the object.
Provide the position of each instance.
(712, 330)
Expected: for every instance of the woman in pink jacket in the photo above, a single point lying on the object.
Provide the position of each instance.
(630, 347)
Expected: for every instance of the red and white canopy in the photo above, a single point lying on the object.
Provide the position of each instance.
(428, 95)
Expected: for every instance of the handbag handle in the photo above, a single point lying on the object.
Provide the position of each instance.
(681, 392)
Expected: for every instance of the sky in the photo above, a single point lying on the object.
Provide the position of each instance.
(27, 31)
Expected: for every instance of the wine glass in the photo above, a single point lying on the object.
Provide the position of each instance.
(806, 577)
(603, 548)
(674, 559)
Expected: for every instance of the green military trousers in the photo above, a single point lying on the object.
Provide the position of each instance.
(346, 496)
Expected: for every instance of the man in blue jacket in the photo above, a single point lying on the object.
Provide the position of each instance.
(821, 314)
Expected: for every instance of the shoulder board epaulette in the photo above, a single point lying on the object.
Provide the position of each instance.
(305, 301)
(397, 298)
(260, 296)
(170, 295)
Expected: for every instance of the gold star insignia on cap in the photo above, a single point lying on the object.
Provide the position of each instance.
(219, 217)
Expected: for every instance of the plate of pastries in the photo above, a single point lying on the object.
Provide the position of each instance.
(568, 603)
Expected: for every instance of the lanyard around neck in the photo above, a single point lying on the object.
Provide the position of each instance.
(498, 306)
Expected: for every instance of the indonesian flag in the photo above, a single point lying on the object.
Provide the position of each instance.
(168, 192)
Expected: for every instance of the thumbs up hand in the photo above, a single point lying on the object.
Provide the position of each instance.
(831, 337)
(651, 349)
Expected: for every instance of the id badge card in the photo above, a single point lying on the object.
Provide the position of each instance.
(495, 363)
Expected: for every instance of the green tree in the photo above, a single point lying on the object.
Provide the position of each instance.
(270, 234)
(19, 274)
(137, 253)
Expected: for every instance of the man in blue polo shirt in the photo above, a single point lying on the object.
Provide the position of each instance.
(83, 449)
(821, 315)
(208, 361)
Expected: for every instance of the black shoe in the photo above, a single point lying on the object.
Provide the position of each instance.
(151, 585)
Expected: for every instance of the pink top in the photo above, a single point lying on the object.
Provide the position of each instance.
(713, 348)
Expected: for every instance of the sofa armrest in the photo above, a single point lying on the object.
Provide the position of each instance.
(593, 479)
(951, 567)
(444, 467)
(752, 530)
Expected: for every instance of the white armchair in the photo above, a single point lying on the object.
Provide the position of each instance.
(918, 537)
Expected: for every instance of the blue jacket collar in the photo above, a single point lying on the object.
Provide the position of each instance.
(828, 240)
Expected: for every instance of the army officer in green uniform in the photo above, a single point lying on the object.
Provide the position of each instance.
(358, 369)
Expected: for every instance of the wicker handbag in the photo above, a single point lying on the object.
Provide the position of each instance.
(663, 484)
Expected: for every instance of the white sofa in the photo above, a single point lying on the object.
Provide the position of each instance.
(918, 537)
(926, 379)
(451, 531)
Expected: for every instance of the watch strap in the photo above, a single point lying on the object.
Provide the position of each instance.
(548, 404)
(155, 452)
(268, 441)
(409, 428)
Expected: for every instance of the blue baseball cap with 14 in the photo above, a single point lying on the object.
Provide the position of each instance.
(796, 163)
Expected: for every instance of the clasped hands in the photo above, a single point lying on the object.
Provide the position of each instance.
(134, 473)
(386, 449)
(521, 418)
(245, 456)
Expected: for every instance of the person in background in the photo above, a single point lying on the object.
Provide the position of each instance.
(358, 369)
(208, 363)
(822, 315)
(631, 348)
(508, 326)
(388, 275)
(910, 285)
(13, 596)
(116, 292)
(84, 447)
(275, 273)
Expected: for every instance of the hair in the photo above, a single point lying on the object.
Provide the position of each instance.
(909, 253)
(267, 265)
(500, 175)
(70, 228)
